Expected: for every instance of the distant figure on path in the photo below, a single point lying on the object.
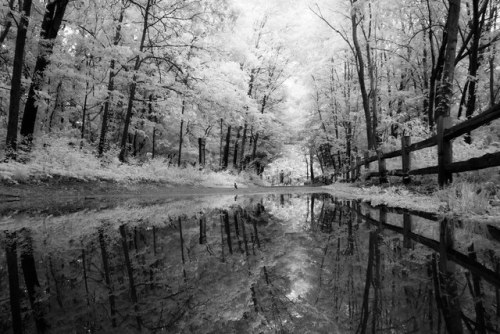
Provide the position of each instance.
(282, 176)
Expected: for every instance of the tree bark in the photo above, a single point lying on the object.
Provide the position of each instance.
(111, 87)
(54, 13)
(221, 150)
(133, 87)
(473, 63)
(445, 93)
(492, 18)
(15, 86)
(225, 161)
(181, 139)
(311, 161)
(254, 151)
(361, 76)
(201, 151)
(243, 142)
(236, 144)
(203, 230)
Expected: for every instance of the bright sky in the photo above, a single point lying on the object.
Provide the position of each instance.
(307, 38)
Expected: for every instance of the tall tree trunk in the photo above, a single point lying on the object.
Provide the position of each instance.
(243, 142)
(361, 76)
(263, 105)
(445, 93)
(201, 151)
(84, 114)
(492, 18)
(111, 87)
(372, 69)
(321, 164)
(437, 67)
(54, 13)
(425, 75)
(181, 138)
(203, 230)
(254, 150)
(348, 140)
(311, 163)
(473, 63)
(15, 86)
(133, 86)
(236, 144)
(221, 150)
(225, 161)
(153, 149)
(307, 167)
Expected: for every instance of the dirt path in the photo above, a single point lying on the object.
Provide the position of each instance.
(74, 197)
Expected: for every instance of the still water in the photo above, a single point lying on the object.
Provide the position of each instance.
(305, 263)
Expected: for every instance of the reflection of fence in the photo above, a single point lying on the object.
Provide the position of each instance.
(465, 261)
(444, 170)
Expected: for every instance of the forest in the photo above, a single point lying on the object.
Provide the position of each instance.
(139, 138)
(232, 85)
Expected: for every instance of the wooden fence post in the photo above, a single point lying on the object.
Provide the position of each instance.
(382, 168)
(201, 151)
(406, 158)
(445, 153)
(407, 243)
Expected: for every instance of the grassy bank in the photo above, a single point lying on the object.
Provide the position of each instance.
(62, 162)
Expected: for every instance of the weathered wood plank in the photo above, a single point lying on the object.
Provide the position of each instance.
(485, 161)
(395, 172)
(424, 171)
(429, 142)
(459, 258)
(475, 122)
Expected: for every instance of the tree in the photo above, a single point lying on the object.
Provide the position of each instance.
(52, 18)
(15, 88)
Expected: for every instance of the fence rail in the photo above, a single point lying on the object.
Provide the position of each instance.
(486, 161)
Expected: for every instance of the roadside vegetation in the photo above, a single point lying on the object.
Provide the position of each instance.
(63, 159)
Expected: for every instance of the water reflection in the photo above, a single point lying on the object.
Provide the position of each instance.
(277, 263)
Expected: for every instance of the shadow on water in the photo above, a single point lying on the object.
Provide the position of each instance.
(278, 263)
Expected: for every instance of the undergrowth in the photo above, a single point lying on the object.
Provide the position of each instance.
(465, 198)
(63, 157)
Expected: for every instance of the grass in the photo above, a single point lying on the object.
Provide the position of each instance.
(62, 158)
(464, 198)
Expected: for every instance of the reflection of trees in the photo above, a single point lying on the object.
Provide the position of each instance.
(397, 293)
(15, 298)
(342, 267)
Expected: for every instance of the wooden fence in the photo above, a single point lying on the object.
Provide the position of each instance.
(488, 160)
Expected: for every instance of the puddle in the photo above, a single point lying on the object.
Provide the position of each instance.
(279, 263)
